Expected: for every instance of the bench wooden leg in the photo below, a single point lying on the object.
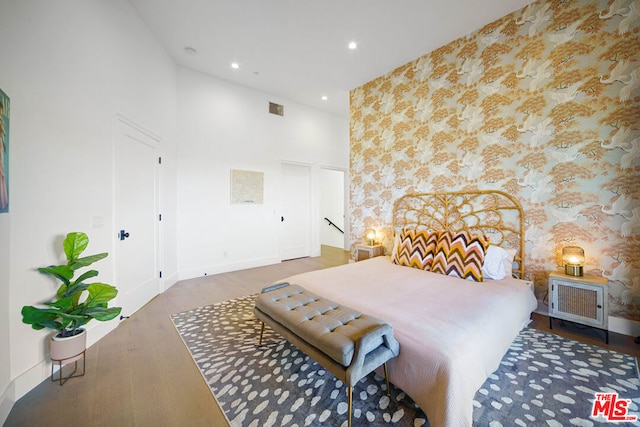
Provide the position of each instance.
(386, 378)
(261, 332)
(350, 404)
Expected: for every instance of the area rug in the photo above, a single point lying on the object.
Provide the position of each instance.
(542, 380)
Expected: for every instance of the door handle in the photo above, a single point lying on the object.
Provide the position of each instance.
(123, 235)
(281, 219)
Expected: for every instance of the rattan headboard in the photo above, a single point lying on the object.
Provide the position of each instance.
(492, 213)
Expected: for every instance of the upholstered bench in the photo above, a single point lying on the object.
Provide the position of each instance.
(347, 343)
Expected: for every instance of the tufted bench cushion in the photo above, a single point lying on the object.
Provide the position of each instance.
(333, 328)
(348, 343)
(344, 341)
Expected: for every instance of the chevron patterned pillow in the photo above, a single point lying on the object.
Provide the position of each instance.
(461, 255)
(416, 248)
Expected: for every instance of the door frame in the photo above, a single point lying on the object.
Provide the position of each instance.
(120, 120)
(345, 204)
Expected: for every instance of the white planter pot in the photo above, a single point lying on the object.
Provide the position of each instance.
(63, 348)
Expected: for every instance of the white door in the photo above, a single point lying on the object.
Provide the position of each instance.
(295, 211)
(137, 269)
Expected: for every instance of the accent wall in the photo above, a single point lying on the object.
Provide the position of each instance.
(544, 104)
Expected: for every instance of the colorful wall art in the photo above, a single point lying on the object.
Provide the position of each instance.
(5, 112)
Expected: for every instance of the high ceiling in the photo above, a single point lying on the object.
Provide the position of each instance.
(298, 49)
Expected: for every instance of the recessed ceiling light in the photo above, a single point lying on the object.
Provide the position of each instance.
(353, 45)
(324, 97)
(190, 51)
(235, 65)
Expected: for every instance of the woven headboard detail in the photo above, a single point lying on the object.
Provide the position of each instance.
(493, 213)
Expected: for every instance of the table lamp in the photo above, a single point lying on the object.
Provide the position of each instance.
(573, 260)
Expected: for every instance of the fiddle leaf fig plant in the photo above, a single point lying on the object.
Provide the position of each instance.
(76, 302)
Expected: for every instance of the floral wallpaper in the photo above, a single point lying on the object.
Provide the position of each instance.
(543, 104)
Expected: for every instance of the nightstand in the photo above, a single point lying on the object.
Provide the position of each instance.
(582, 300)
(363, 251)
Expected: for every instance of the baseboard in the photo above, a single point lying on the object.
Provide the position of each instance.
(170, 281)
(30, 379)
(225, 268)
(98, 330)
(624, 326)
(7, 400)
(616, 324)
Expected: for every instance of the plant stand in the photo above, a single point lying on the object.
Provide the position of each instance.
(67, 350)
(68, 361)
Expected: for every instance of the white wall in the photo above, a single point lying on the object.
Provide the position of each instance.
(69, 66)
(332, 206)
(223, 126)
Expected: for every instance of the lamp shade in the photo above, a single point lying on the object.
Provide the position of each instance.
(371, 236)
(573, 260)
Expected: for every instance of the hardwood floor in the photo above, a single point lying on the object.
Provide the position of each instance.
(141, 374)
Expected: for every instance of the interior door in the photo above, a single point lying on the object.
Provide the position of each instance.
(295, 211)
(137, 269)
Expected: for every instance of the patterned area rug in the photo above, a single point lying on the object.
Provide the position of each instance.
(542, 380)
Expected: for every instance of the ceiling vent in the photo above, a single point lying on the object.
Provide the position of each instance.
(276, 109)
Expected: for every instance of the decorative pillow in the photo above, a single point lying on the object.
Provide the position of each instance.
(459, 254)
(416, 248)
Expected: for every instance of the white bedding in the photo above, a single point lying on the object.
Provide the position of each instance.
(453, 333)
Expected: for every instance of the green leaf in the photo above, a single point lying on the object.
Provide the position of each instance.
(100, 293)
(103, 313)
(64, 273)
(86, 275)
(74, 244)
(88, 260)
(61, 303)
(31, 314)
(40, 318)
(74, 317)
(72, 290)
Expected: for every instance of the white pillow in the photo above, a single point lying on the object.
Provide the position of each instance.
(493, 266)
(498, 263)
(396, 243)
(508, 262)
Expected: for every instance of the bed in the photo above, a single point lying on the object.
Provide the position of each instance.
(452, 332)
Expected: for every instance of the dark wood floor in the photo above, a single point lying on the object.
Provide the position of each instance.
(141, 374)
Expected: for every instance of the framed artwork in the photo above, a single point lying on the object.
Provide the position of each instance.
(5, 113)
(247, 187)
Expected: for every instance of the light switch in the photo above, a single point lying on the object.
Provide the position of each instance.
(97, 221)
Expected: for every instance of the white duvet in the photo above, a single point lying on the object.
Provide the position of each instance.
(453, 333)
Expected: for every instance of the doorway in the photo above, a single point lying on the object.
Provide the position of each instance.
(332, 212)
